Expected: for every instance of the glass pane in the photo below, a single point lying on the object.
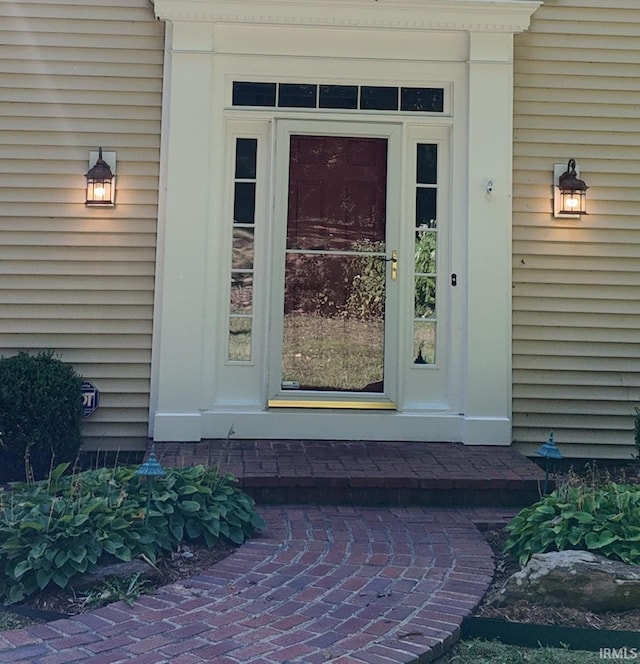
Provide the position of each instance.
(334, 322)
(422, 99)
(246, 158)
(334, 300)
(297, 95)
(244, 203)
(427, 158)
(335, 285)
(426, 208)
(240, 339)
(254, 94)
(379, 98)
(425, 258)
(337, 193)
(242, 258)
(338, 96)
(425, 297)
(424, 342)
(241, 299)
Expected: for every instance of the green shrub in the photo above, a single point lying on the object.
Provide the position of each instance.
(604, 520)
(40, 415)
(52, 530)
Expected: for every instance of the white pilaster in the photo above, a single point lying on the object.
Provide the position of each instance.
(488, 385)
(179, 318)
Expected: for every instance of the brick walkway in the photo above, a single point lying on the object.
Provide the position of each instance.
(346, 584)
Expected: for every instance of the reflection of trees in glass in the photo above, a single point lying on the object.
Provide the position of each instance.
(366, 295)
(338, 286)
(241, 292)
(425, 268)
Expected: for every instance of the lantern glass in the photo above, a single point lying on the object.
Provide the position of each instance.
(573, 202)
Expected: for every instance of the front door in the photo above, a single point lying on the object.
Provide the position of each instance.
(336, 267)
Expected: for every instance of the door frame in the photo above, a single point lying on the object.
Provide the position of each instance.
(193, 394)
(284, 129)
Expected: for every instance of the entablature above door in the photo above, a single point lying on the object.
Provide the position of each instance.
(508, 16)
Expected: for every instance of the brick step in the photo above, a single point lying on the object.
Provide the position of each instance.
(368, 472)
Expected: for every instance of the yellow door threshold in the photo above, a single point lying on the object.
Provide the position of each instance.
(352, 405)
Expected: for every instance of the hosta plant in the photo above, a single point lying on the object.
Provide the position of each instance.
(55, 529)
(604, 520)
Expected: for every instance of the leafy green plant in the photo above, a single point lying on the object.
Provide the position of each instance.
(40, 415)
(604, 519)
(52, 530)
(115, 588)
(477, 651)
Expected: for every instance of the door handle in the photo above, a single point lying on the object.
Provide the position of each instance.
(394, 265)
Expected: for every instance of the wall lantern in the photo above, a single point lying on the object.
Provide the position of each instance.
(570, 193)
(101, 179)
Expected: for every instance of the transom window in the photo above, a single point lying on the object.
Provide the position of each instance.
(344, 97)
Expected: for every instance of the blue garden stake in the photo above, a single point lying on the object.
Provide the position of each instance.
(549, 451)
(149, 469)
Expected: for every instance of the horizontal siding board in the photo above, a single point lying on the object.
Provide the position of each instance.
(16, 75)
(91, 345)
(80, 281)
(558, 333)
(573, 294)
(75, 9)
(531, 349)
(24, 114)
(619, 370)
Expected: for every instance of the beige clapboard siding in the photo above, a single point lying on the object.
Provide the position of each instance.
(576, 310)
(76, 76)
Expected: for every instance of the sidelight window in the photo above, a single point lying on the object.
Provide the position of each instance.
(426, 251)
(242, 260)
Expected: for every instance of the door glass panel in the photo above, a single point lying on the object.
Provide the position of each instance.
(338, 96)
(378, 98)
(427, 160)
(243, 249)
(244, 205)
(292, 95)
(422, 99)
(335, 265)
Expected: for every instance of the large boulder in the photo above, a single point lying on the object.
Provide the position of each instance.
(578, 579)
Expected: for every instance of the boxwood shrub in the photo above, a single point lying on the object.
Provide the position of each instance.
(40, 415)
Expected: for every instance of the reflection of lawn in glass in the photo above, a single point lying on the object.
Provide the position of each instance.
(424, 342)
(332, 353)
(239, 339)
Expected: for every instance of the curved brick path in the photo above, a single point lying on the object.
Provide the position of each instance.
(347, 585)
